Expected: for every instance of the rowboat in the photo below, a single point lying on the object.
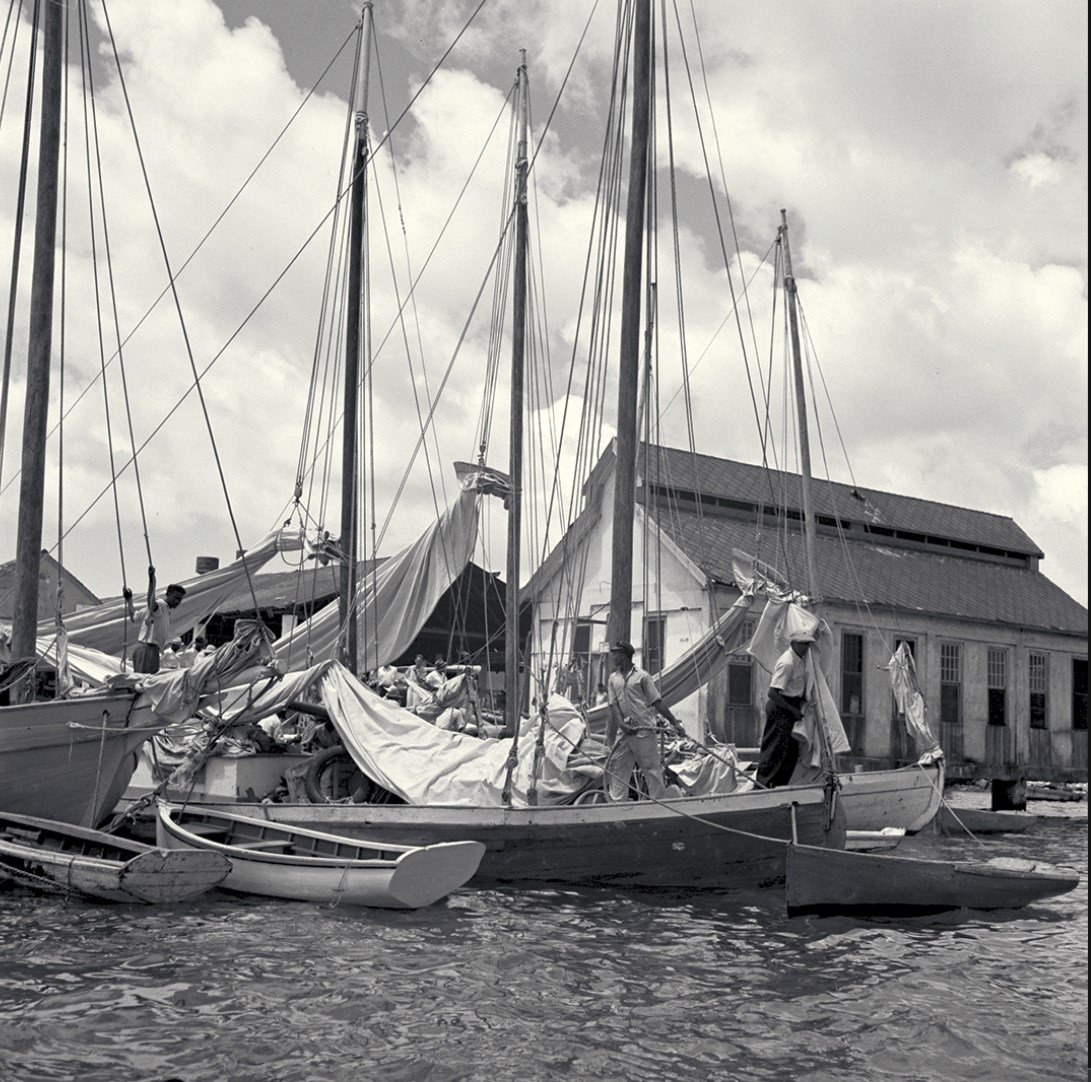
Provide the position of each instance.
(63, 859)
(827, 881)
(979, 821)
(278, 861)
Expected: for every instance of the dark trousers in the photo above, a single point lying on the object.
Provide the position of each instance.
(779, 751)
(146, 657)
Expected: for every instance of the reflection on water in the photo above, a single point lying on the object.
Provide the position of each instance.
(535, 985)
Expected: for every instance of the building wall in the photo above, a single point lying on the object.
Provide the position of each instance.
(679, 596)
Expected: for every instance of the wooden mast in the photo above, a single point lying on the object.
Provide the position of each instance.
(801, 413)
(350, 515)
(36, 411)
(512, 644)
(621, 592)
(809, 525)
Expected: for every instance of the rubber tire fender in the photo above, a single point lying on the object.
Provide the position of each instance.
(318, 763)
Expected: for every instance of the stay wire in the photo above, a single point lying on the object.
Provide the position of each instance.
(95, 142)
(178, 309)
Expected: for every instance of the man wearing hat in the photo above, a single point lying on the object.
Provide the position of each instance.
(632, 727)
(787, 694)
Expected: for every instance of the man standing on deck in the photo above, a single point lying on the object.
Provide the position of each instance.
(155, 631)
(632, 727)
(787, 695)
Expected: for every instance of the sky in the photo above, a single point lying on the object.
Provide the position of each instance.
(932, 158)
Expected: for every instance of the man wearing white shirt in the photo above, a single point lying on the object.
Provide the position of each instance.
(787, 695)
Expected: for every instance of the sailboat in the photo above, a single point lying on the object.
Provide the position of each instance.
(494, 791)
(68, 758)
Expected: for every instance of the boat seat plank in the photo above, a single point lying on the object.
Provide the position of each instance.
(206, 830)
(266, 843)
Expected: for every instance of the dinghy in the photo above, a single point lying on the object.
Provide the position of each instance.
(280, 861)
(980, 821)
(829, 881)
(63, 859)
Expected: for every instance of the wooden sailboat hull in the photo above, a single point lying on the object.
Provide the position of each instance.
(722, 842)
(277, 861)
(70, 759)
(62, 859)
(907, 798)
(821, 881)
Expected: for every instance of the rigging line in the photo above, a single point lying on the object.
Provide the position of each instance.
(719, 154)
(328, 280)
(219, 218)
(826, 390)
(446, 376)
(20, 204)
(719, 222)
(411, 295)
(310, 237)
(95, 275)
(178, 309)
(723, 322)
(86, 45)
(15, 6)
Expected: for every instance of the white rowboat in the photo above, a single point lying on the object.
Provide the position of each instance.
(280, 861)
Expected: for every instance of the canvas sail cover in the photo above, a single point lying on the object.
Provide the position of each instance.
(394, 603)
(108, 629)
(771, 638)
(426, 765)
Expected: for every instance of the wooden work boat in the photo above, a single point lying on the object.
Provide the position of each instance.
(70, 759)
(821, 881)
(279, 861)
(718, 842)
(980, 821)
(874, 841)
(60, 858)
(907, 797)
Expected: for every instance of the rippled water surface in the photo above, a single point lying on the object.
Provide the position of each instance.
(545, 984)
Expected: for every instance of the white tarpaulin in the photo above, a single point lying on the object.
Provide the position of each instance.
(394, 602)
(771, 638)
(426, 765)
(108, 629)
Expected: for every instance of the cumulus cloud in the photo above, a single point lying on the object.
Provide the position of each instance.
(933, 163)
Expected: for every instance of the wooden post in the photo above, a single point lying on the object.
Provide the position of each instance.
(621, 592)
(36, 412)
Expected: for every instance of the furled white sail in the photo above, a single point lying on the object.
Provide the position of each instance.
(394, 602)
(771, 638)
(699, 664)
(107, 627)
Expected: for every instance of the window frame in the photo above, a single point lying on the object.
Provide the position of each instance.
(996, 680)
(951, 676)
(1038, 711)
(860, 673)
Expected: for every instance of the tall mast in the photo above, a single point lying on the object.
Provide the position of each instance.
(512, 645)
(36, 412)
(350, 515)
(801, 413)
(621, 593)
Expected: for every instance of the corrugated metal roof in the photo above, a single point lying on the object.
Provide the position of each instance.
(719, 477)
(902, 578)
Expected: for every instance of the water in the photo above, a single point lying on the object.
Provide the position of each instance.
(545, 984)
